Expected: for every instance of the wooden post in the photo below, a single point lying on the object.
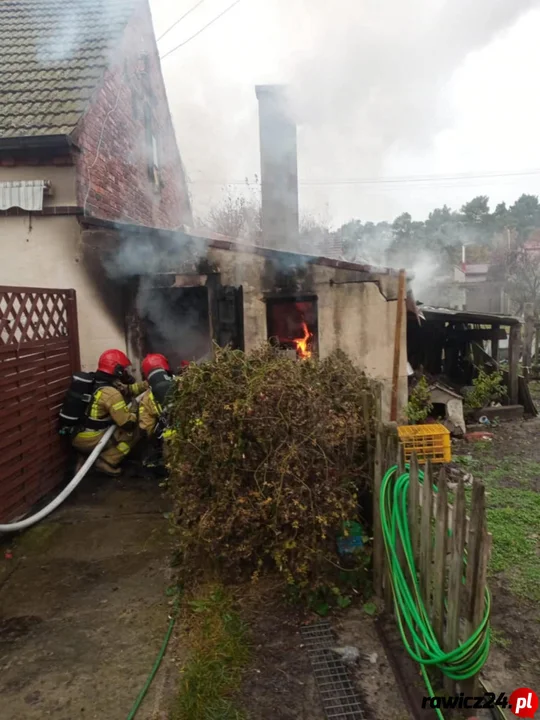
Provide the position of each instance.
(73, 331)
(379, 559)
(528, 334)
(475, 548)
(476, 529)
(484, 554)
(439, 565)
(495, 343)
(400, 310)
(455, 579)
(536, 358)
(514, 346)
(391, 456)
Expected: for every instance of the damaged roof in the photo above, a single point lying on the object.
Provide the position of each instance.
(466, 316)
(224, 242)
(53, 54)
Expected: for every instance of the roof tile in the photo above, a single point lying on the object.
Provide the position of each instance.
(52, 55)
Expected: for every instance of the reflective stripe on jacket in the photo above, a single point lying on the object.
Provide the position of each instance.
(108, 403)
(149, 412)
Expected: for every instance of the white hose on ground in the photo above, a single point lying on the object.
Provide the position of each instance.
(59, 499)
(33, 519)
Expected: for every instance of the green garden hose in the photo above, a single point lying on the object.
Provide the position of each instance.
(412, 617)
(138, 702)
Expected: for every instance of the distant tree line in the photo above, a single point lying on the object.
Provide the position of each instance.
(445, 230)
(497, 238)
(494, 237)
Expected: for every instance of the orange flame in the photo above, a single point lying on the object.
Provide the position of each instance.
(302, 343)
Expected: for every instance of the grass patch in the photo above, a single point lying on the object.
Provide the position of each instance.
(219, 651)
(513, 518)
(499, 638)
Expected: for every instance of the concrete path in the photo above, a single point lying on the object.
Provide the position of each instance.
(83, 609)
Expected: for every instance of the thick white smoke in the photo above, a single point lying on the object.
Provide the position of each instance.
(369, 79)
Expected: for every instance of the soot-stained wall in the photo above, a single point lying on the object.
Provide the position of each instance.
(356, 309)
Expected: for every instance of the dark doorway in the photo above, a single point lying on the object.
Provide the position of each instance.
(176, 323)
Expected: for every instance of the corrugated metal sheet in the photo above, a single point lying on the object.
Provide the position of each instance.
(25, 194)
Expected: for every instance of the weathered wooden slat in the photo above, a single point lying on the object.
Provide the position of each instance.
(401, 469)
(439, 563)
(474, 536)
(455, 578)
(476, 542)
(426, 536)
(390, 461)
(450, 513)
(484, 554)
(379, 559)
(413, 506)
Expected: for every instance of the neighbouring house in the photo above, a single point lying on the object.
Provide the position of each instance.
(485, 291)
(446, 290)
(85, 132)
(475, 287)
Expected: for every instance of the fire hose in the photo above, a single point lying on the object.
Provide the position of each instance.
(59, 499)
(413, 620)
(33, 519)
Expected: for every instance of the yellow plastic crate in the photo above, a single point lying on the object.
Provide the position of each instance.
(427, 441)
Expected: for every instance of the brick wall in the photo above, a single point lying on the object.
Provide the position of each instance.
(113, 180)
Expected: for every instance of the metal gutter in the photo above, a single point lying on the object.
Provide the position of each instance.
(35, 142)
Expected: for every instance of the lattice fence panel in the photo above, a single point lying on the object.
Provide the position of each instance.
(32, 315)
(39, 351)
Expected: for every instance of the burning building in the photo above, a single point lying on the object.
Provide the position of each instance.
(188, 289)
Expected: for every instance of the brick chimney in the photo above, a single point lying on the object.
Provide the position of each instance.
(279, 171)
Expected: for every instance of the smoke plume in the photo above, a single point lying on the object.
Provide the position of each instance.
(368, 80)
(175, 328)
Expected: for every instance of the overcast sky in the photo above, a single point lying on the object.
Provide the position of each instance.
(383, 89)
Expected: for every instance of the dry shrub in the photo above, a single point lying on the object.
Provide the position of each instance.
(267, 463)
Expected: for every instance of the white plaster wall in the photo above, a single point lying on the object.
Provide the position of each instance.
(354, 317)
(48, 256)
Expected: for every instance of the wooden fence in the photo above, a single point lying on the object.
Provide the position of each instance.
(442, 534)
(39, 351)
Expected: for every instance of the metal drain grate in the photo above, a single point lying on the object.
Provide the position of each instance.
(339, 698)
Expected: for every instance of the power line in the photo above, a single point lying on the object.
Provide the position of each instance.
(230, 7)
(403, 180)
(423, 178)
(191, 9)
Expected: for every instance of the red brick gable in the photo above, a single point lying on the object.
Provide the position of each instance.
(127, 113)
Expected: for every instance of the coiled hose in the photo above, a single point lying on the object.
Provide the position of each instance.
(412, 617)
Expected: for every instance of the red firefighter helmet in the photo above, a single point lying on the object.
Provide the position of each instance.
(154, 361)
(113, 362)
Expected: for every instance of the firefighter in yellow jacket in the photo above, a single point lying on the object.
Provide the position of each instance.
(114, 385)
(157, 372)
(152, 422)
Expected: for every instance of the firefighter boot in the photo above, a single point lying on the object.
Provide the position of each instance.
(104, 467)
